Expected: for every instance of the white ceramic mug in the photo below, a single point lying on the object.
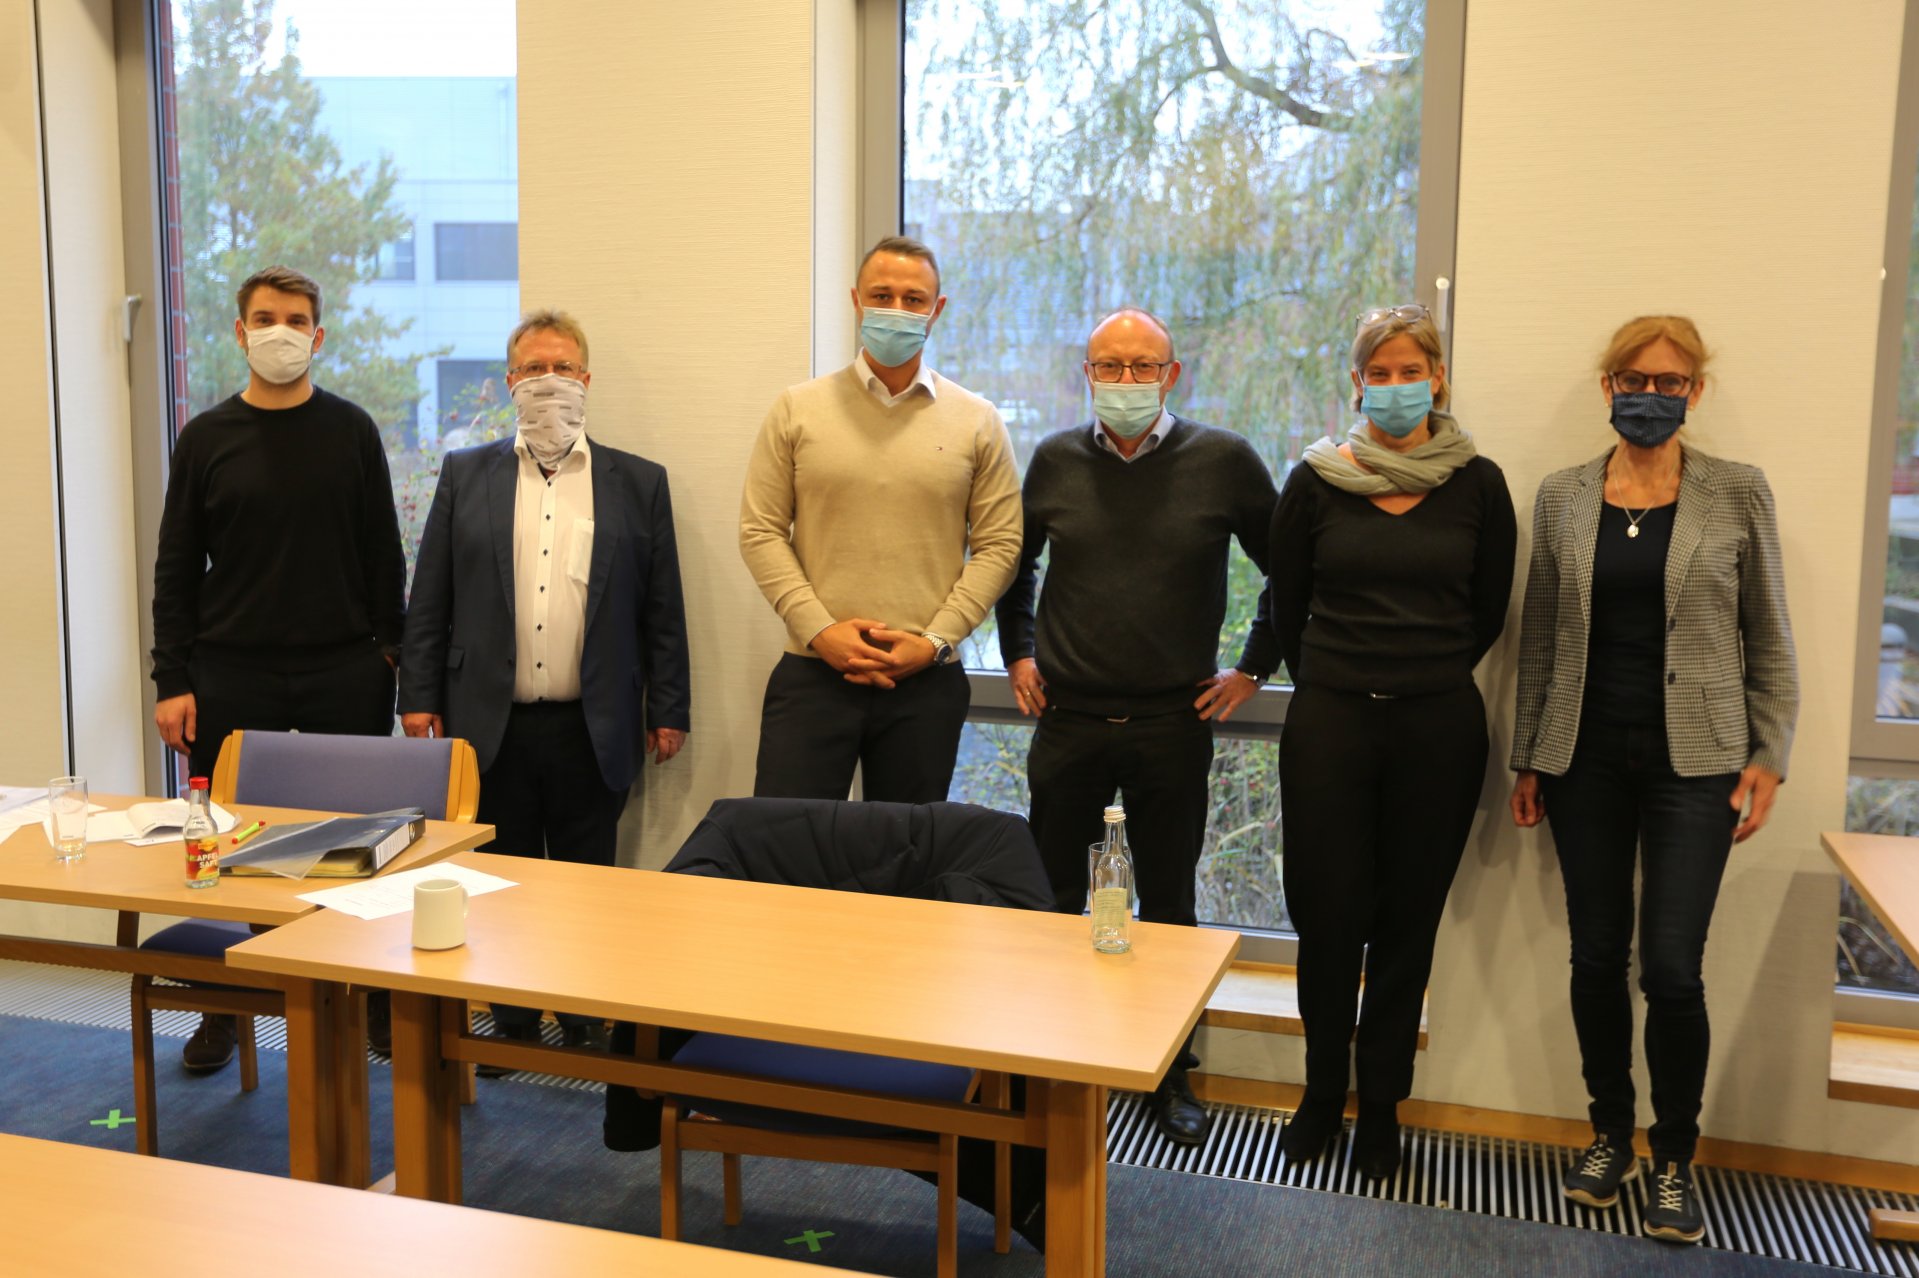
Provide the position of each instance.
(439, 914)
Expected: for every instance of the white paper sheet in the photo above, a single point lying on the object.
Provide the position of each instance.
(115, 827)
(392, 894)
(35, 812)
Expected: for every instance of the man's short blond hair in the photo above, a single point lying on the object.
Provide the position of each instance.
(547, 320)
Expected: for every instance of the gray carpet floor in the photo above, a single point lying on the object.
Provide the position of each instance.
(534, 1150)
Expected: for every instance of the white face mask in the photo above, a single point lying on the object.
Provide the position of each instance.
(279, 354)
(552, 415)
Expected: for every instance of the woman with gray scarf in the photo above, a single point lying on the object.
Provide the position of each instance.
(1392, 564)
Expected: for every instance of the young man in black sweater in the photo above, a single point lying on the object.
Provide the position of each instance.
(1136, 510)
(278, 592)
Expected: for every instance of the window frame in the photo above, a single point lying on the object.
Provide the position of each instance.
(1887, 747)
(882, 25)
(1883, 747)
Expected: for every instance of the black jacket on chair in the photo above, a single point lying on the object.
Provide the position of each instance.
(932, 851)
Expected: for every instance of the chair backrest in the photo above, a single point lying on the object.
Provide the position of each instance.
(338, 773)
(942, 851)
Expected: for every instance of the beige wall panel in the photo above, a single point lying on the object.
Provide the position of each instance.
(1629, 157)
(666, 189)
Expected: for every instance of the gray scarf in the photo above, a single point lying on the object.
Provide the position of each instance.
(1418, 470)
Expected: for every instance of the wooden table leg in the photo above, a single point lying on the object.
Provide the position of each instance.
(311, 1090)
(1894, 1226)
(351, 1112)
(1075, 1179)
(426, 1102)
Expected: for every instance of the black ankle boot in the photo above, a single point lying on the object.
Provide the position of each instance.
(1376, 1141)
(1313, 1127)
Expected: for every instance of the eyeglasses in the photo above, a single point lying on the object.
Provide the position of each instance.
(1144, 370)
(540, 368)
(1410, 312)
(1631, 381)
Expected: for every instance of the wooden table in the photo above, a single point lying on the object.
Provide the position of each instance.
(326, 1036)
(1007, 990)
(78, 1212)
(1884, 869)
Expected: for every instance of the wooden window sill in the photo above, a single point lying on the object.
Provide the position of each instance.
(1264, 997)
(1874, 1064)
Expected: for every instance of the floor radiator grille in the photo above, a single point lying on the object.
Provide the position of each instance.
(1746, 1212)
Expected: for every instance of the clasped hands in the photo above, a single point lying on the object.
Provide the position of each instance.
(872, 653)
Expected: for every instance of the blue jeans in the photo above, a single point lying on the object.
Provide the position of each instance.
(1618, 802)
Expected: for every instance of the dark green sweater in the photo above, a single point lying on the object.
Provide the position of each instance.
(1136, 574)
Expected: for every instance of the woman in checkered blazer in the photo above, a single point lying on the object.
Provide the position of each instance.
(1657, 692)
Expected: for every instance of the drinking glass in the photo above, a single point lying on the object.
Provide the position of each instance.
(67, 817)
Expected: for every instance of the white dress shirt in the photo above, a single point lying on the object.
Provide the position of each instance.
(922, 380)
(1154, 438)
(552, 562)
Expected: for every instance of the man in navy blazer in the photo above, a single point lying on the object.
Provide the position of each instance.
(546, 624)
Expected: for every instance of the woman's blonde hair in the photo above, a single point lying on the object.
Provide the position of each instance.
(1422, 330)
(1635, 335)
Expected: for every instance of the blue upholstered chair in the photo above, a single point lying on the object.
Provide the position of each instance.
(291, 770)
(940, 851)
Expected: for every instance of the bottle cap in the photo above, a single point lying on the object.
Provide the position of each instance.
(197, 783)
(1115, 814)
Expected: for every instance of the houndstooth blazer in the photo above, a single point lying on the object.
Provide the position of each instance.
(1732, 688)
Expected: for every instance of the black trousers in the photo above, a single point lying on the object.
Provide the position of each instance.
(815, 728)
(354, 698)
(544, 797)
(1618, 804)
(1376, 798)
(1158, 765)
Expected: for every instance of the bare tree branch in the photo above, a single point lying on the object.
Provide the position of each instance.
(1223, 63)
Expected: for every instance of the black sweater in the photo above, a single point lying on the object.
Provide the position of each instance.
(1136, 574)
(1401, 605)
(279, 546)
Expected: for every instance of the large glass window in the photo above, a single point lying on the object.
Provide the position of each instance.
(1251, 172)
(318, 134)
(1885, 737)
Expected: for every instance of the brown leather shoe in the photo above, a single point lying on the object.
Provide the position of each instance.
(212, 1045)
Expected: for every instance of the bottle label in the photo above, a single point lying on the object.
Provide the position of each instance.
(203, 860)
(1111, 911)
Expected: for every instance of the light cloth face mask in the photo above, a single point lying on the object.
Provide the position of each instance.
(279, 354)
(1397, 410)
(552, 415)
(892, 337)
(1128, 409)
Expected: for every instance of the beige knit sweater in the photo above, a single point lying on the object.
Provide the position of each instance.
(856, 509)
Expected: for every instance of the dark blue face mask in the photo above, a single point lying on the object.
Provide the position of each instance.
(1647, 418)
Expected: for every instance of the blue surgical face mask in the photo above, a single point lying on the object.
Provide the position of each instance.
(892, 337)
(1647, 419)
(1128, 409)
(1397, 410)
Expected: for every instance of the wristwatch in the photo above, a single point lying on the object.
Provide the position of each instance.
(1259, 681)
(943, 652)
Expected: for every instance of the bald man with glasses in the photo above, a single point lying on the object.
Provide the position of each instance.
(1135, 511)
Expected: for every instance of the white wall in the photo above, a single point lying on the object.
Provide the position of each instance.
(34, 747)
(89, 270)
(666, 193)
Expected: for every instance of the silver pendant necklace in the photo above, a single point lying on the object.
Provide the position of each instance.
(1632, 520)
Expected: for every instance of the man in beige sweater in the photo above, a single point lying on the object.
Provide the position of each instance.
(881, 519)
